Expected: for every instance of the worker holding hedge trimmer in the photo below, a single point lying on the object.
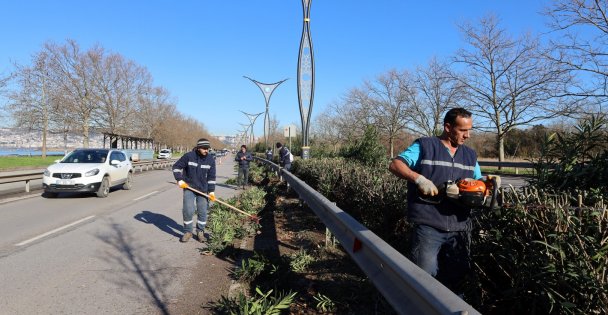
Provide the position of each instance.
(443, 187)
(196, 169)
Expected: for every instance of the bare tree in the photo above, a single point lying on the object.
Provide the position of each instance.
(351, 114)
(75, 81)
(116, 84)
(386, 99)
(508, 82)
(326, 130)
(31, 103)
(437, 91)
(582, 47)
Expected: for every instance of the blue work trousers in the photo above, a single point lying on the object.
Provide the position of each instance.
(444, 255)
(192, 202)
(243, 176)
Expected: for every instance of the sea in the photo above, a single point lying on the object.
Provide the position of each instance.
(28, 152)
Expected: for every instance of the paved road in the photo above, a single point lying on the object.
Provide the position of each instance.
(118, 255)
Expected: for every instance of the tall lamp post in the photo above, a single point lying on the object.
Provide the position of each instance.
(245, 133)
(267, 89)
(306, 78)
(252, 118)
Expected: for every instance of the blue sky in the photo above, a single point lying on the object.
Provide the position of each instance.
(200, 50)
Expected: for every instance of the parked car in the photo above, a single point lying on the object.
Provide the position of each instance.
(165, 154)
(89, 170)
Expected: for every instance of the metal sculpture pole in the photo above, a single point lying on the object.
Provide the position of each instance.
(245, 133)
(306, 78)
(267, 89)
(252, 118)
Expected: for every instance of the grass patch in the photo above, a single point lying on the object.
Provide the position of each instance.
(9, 163)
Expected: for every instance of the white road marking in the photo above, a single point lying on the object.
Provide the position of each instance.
(144, 196)
(54, 231)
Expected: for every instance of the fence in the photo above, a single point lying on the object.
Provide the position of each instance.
(409, 289)
(29, 175)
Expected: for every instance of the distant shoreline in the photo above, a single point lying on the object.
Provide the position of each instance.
(4, 151)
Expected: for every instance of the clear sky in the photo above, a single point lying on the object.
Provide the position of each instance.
(200, 50)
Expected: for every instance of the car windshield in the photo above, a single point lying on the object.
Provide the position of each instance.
(86, 156)
(165, 151)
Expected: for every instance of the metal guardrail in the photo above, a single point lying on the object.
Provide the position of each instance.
(409, 289)
(515, 165)
(29, 175)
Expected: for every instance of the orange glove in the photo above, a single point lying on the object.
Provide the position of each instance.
(212, 196)
(182, 184)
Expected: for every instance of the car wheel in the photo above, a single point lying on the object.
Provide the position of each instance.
(104, 188)
(129, 183)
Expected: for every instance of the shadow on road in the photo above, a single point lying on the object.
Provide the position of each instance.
(135, 266)
(161, 221)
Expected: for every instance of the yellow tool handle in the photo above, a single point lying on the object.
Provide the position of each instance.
(224, 203)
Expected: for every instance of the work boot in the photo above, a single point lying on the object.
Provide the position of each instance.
(186, 237)
(201, 236)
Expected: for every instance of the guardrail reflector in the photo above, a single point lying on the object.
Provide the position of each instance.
(357, 245)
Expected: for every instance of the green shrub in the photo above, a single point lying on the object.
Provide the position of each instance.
(263, 303)
(577, 160)
(372, 195)
(367, 150)
(534, 259)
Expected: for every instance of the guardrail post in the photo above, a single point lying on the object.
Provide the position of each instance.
(27, 186)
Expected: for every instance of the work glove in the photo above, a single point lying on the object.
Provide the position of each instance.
(212, 196)
(426, 186)
(182, 184)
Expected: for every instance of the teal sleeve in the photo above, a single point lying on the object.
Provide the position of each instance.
(477, 171)
(411, 155)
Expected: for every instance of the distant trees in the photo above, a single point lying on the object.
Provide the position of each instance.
(582, 44)
(67, 89)
(508, 82)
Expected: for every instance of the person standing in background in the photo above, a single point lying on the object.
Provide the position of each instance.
(243, 157)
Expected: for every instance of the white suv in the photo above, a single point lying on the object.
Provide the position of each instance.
(164, 154)
(89, 170)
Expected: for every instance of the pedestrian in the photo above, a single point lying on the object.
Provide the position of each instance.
(243, 157)
(269, 154)
(196, 169)
(285, 157)
(441, 232)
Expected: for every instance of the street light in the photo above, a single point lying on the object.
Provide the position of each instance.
(252, 118)
(267, 89)
(245, 133)
(306, 78)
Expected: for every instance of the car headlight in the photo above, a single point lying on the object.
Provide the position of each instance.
(47, 173)
(92, 172)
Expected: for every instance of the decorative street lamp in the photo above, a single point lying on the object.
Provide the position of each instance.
(245, 133)
(267, 89)
(252, 118)
(306, 78)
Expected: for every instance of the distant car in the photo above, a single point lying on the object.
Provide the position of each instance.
(89, 170)
(165, 154)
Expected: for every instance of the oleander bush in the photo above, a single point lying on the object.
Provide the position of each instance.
(226, 225)
(536, 255)
(576, 160)
(372, 195)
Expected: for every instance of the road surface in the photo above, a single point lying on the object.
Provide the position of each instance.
(79, 254)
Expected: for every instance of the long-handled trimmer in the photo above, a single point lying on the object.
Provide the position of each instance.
(251, 216)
